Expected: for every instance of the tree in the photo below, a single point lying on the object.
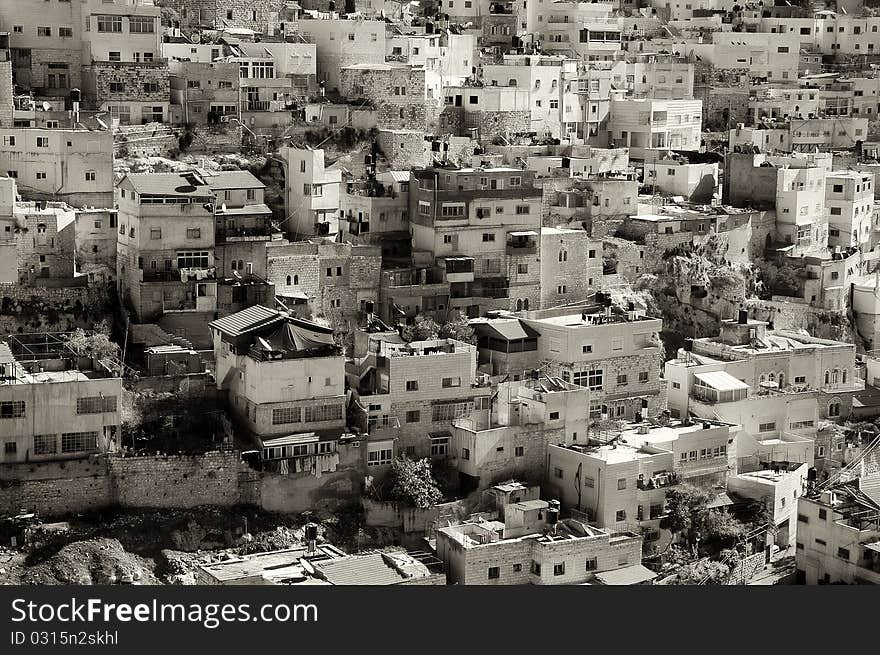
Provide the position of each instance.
(410, 482)
(689, 515)
(424, 329)
(458, 329)
(96, 345)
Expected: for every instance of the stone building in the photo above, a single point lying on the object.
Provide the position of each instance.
(396, 90)
(339, 281)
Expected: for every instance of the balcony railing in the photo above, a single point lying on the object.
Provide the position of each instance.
(659, 481)
(258, 105)
(243, 234)
(521, 249)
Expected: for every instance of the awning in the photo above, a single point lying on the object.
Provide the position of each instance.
(721, 500)
(528, 233)
(290, 439)
(875, 546)
(628, 575)
(721, 381)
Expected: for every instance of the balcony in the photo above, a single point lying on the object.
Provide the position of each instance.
(233, 234)
(178, 275)
(521, 247)
(659, 481)
(257, 105)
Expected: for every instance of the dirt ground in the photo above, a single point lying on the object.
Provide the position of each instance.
(166, 546)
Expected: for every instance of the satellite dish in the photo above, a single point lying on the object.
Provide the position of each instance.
(186, 188)
(307, 566)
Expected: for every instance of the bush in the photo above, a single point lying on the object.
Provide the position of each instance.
(412, 483)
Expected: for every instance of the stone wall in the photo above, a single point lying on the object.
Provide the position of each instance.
(165, 481)
(141, 82)
(51, 309)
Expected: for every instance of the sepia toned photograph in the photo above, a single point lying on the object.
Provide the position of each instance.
(322, 293)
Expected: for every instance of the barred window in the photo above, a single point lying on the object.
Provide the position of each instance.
(12, 409)
(283, 415)
(45, 444)
(323, 413)
(451, 411)
(95, 404)
(379, 457)
(76, 442)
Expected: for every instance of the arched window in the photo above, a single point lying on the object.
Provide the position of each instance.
(296, 279)
(288, 280)
(834, 409)
(843, 378)
(511, 82)
(240, 265)
(563, 255)
(763, 378)
(772, 377)
(234, 266)
(519, 305)
(827, 377)
(526, 304)
(835, 376)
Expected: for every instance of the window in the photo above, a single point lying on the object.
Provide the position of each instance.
(41, 175)
(519, 451)
(91, 176)
(536, 568)
(439, 446)
(516, 181)
(643, 377)
(517, 568)
(767, 427)
(75, 442)
(592, 564)
(412, 385)
(12, 409)
(110, 24)
(45, 444)
(42, 142)
(155, 233)
(451, 382)
(10, 448)
(620, 515)
(95, 404)
(465, 454)
(558, 473)
(803, 518)
(285, 415)
(621, 379)
(494, 572)
(843, 553)
(522, 269)
(141, 25)
(621, 483)
(413, 416)
(44, 31)
(65, 32)
(193, 259)
(587, 348)
(488, 237)
(559, 569)
(379, 457)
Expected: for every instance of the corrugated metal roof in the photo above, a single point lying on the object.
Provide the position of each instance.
(721, 381)
(507, 329)
(247, 320)
(168, 184)
(369, 569)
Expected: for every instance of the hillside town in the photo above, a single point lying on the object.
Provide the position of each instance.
(467, 292)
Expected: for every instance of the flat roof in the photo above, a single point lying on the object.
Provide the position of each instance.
(628, 575)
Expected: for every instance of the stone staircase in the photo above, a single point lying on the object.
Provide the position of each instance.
(152, 139)
(189, 328)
